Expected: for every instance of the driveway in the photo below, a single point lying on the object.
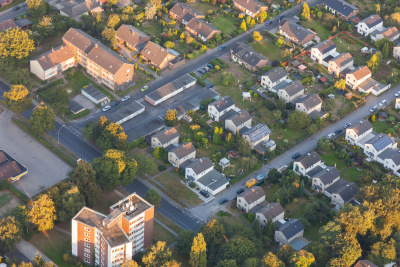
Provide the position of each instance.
(44, 168)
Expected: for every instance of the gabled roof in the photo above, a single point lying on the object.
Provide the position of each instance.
(106, 58)
(166, 135)
(275, 74)
(360, 72)
(291, 228)
(171, 87)
(380, 141)
(213, 180)
(390, 32)
(365, 263)
(223, 103)
(344, 189)
(252, 5)
(258, 132)
(131, 35)
(240, 117)
(310, 101)
(272, 210)
(7, 24)
(254, 194)
(183, 150)
(80, 39)
(308, 160)
(72, 9)
(181, 10)
(156, 53)
(342, 59)
(296, 31)
(361, 127)
(372, 20)
(325, 46)
(54, 57)
(395, 157)
(341, 7)
(247, 54)
(201, 27)
(200, 165)
(327, 175)
(293, 88)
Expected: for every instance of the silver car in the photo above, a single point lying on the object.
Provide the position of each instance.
(106, 108)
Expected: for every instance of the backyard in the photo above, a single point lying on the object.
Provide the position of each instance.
(200, 7)
(151, 28)
(339, 106)
(225, 24)
(8, 202)
(344, 45)
(267, 48)
(317, 26)
(287, 137)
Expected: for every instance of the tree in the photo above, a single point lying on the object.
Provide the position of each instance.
(226, 78)
(213, 233)
(252, 23)
(229, 141)
(320, 253)
(10, 234)
(17, 99)
(170, 117)
(36, 7)
(15, 43)
(285, 253)
(373, 118)
(340, 84)
(189, 39)
(257, 36)
(286, 53)
(251, 262)
(157, 255)
(153, 197)
(324, 144)
(378, 8)
(383, 252)
(305, 12)
(385, 50)
(198, 256)
(375, 62)
(281, 105)
(145, 164)
(129, 263)
(45, 26)
(298, 120)
(85, 178)
(169, 44)
(243, 26)
(150, 11)
(158, 151)
(60, 99)
(42, 119)
(270, 260)
(217, 136)
(228, 263)
(274, 176)
(312, 128)
(302, 258)
(244, 147)
(277, 115)
(109, 34)
(184, 242)
(238, 248)
(99, 17)
(113, 20)
(42, 213)
(262, 16)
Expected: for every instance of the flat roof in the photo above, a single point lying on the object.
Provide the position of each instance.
(75, 107)
(93, 92)
(171, 87)
(125, 111)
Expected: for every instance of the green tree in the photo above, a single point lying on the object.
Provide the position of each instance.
(226, 78)
(85, 178)
(229, 141)
(184, 242)
(17, 99)
(228, 263)
(45, 27)
(320, 253)
(281, 105)
(285, 253)
(153, 197)
(10, 234)
(238, 248)
(244, 147)
(324, 144)
(158, 151)
(42, 214)
(304, 12)
(145, 164)
(277, 115)
(42, 119)
(158, 255)
(109, 34)
(213, 233)
(298, 120)
(286, 53)
(274, 176)
(270, 260)
(170, 117)
(243, 26)
(251, 262)
(36, 7)
(198, 256)
(385, 50)
(60, 100)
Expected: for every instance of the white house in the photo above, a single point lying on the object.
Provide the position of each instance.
(307, 162)
(310, 104)
(273, 77)
(250, 199)
(341, 192)
(391, 33)
(377, 144)
(355, 135)
(355, 77)
(392, 161)
(257, 134)
(165, 138)
(339, 63)
(219, 107)
(238, 121)
(181, 154)
(273, 211)
(291, 91)
(369, 24)
(323, 50)
(396, 51)
(325, 179)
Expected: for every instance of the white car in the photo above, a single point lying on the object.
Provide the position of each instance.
(125, 98)
(383, 102)
(397, 94)
(106, 108)
(329, 136)
(373, 109)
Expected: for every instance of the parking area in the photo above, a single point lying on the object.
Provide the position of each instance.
(84, 102)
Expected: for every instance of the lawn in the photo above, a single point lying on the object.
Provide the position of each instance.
(106, 200)
(210, 150)
(243, 216)
(8, 202)
(346, 46)
(317, 26)
(296, 210)
(270, 191)
(231, 220)
(151, 28)
(170, 224)
(312, 232)
(268, 48)
(360, 59)
(182, 49)
(201, 7)
(385, 73)
(53, 244)
(162, 234)
(339, 106)
(176, 190)
(182, 259)
(380, 126)
(331, 159)
(225, 24)
(351, 174)
(49, 43)
(287, 137)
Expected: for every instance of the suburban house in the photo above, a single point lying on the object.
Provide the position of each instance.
(298, 34)
(156, 55)
(341, 192)
(396, 51)
(339, 63)
(360, 79)
(10, 169)
(202, 172)
(289, 231)
(369, 25)
(165, 138)
(310, 104)
(184, 13)
(274, 77)
(7, 24)
(360, 133)
(365, 263)
(181, 153)
(391, 33)
(219, 107)
(250, 7)
(202, 29)
(251, 199)
(307, 163)
(75, 9)
(323, 52)
(4, 3)
(291, 91)
(391, 160)
(273, 211)
(244, 54)
(377, 144)
(238, 121)
(325, 178)
(257, 134)
(52, 62)
(117, 236)
(132, 37)
(342, 8)
(101, 62)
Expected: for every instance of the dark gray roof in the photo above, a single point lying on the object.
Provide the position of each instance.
(293, 88)
(372, 20)
(74, 9)
(308, 160)
(276, 74)
(93, 92)
(223, 103)
(171, 87)
(325, 46)
(310, 101)
(125, 111)
(380, 141)
(272, 210)
(247, 54)
(291, 228)
(345, 189)
(341, 7)
(254, 194)
(166, 135)
(371, 84)
(240, 117)
(183, 150)
(23, 22)
(75, 107)
(299, 243)
(213, 180)
(258, 132)
(362, 127)
(314, 171)
(396, 157)
(327, 175)
(201, 165)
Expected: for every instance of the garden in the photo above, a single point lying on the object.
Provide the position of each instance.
(267, 48)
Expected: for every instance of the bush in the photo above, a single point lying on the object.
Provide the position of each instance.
(251, 217)
(136, 142)
(161, 168)
(73, 260)
(192, 184)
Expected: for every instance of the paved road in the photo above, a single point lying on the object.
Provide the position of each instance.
(9, 14)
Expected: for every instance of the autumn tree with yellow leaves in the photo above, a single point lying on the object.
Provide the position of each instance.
(10, 234)
(42, 119)
(159, 256)
(170, 117)
(15, 43)
(257, 36)
(198, 255)
(17, 99)
(36, 7)
(42, 214)
(110, 35)
(113, 20)
(271, 260)
(45, 27)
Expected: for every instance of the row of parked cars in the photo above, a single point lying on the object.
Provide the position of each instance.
(116, 102)
(205, 69)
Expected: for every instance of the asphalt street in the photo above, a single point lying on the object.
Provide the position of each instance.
(10, 14)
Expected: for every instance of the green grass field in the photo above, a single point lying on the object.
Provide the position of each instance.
(289, 136)
(225, 24)
(162, 234)
(380, 126)
(269, 192)
(151, 28)
(346, 46)
(201, 7)
(330, 159)
(170, 224)
(79, 80)
(317, 26)
(267, 48)
(295, 210)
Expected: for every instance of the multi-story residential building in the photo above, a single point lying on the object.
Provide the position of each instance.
(108, 240)
(184, 13)
(377, 144)
(342, 8)
(369, 25)
(238, 121)
(273, 78)
(310, 104)
(251, 199)
(52, 62)
(359, 133)
(289, 231)
(181, 153)
(165, 138)
(323, 50)
(297, 34)
(201, 29)
(250, 7)
(273, 211)
(307, 163)
(291, 91)
(325, 179)
(220, 107)
(339, 63)
(257, 134)
(131, 37)
(245, 55)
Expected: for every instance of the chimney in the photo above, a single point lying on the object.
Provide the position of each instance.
(96, 45)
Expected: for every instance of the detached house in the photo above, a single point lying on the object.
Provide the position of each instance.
(238, 121)
(359, 133)
(325, 179)
(244, 54)
(165, 138)
(369, 25)
(297, 34)
(273, 211)
(377, 144)
(342, 8)
(250, 7)
(365, 263)
(360, 79)
(75, 9)
(289, 231)
(310, 104)
(184, 13)
(307, 163)
(251, 199)
(339, 63)
(220, 107)
(273, 78)
(156, 55)
(201, 29)
(341, 192)
(323, 50)
(181, 153)
(132, 37)
(291, 91)
(391, 160)
(391, 33)
(257, 134)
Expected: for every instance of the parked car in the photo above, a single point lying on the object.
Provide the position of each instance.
(347, 125)
(23, 4)
(383, 102)
(329, 136)
(339, 131)
(251, 182)
(295, 156)
(210, 66)
(115, 103)
(209, 86)
(201, 71)
(222, 47)
(206, 69)
(260, 177)
(280, 17)
(125, 98)
(241, 190)
(397, 94)
(269, 22)
(204, 193)
(373, 109)
(106, 108)
(16, 8)
(223, 201)
(144, 88)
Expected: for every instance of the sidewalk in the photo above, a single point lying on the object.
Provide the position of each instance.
(29, 251)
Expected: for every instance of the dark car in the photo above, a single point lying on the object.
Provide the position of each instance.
(16, 8)
(23, 4)
(338, 131)
(223, 201)
(241, 190)
(204, 193)
(269, 22)
(209, 86)
(295, 156)
(210, 66)
(116, 102)
(222, 47)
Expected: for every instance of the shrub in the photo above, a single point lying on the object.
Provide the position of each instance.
(192, 185)
(161, 168)
(136, 142)
(251, 217)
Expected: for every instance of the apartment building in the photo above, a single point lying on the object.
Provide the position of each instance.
(107, 240)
